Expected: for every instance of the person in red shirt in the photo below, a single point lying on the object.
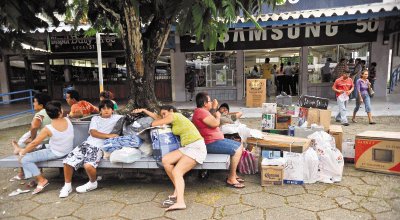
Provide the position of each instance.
(207, 120)
(79, 108)
(343, 87)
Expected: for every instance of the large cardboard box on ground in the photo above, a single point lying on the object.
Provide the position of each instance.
(280, 142)
(337, 132)
(319, 117)
(255, 92)
(378, 151)
(271, 175)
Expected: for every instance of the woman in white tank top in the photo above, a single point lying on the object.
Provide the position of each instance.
(61, 134)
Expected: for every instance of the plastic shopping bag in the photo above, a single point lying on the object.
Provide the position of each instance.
(248, 163)
(164, 141)
(311, 163)
(125, 155)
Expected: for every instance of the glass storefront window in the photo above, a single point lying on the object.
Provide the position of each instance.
(212, 69)
(323, 59)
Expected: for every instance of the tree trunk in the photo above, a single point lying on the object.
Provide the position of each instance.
(142, 51)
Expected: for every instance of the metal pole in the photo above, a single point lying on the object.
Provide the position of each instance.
(30, 100)
(99, 61)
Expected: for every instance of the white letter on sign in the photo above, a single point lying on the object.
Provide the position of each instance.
(314, 29)
(257, 35)
(363, 27)
(331, 30)
(241, 35)
(296, 31)
(278, 34)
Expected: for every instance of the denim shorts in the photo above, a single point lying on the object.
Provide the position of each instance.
(223, 146)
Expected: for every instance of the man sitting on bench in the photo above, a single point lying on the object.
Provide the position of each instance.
(208, 126)
(89, 153)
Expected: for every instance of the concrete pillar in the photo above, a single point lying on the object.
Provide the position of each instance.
(239, 74)
(4, 87)
(380, 55)
(303, 76)
(178, 65)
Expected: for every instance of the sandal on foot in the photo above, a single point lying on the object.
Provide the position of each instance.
(18, 191)
(353, 120)
(16, 178)
(372, 123)
(167, 203)
(235, 185)
(39, 188)
(240, 180)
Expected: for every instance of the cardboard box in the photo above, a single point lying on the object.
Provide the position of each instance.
(325, 118)
(256, 93)
(271, 175)
(294, 121)
(281, 143)
(277, 131)
(303, 112)
(378, 151)
(268, 121)
(283, 121)
(269, 108)
(337, 132)
(348, 150)
(305, 132)
(312, 116)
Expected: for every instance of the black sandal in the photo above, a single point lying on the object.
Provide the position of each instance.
(372, 123)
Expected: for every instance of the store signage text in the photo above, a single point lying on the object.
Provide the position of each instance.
(291, 36)
(80, 43)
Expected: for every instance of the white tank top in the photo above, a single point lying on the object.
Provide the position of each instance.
(61, 143)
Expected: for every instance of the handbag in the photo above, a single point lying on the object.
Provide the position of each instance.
(163, 142)
(371, 92)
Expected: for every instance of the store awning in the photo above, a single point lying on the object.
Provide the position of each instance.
(358, 12)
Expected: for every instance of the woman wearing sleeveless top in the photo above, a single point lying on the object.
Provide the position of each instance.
(61, 134)
(177, 163)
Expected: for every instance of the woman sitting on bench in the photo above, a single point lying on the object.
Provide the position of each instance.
(179, 162)
(61, 134)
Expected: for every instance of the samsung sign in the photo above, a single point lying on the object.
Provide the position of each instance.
(291, 36)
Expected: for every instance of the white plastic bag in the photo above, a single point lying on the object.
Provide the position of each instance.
(294, 168)
(331, 161)
(147, 149)
(343, 97)
(125, 155)
(230, 128)
(311, 163)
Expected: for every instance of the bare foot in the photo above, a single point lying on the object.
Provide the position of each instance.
(176, 206)
(16, 147)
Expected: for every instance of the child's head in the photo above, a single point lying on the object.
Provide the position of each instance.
(54, 110)
(106, 95)
(40, 101)
(224, 108)
(106, 108)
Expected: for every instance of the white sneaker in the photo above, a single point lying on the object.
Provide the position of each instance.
(65, 191)
(89, 186)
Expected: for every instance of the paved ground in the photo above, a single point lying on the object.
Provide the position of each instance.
(360, 195)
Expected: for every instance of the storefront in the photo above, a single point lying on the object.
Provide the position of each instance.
(318, 39)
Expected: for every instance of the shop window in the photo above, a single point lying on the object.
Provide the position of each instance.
(322, 60)
(212, 69)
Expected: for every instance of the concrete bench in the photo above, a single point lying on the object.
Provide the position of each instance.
(212, 162)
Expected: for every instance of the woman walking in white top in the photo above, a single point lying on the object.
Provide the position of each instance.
(61, 134)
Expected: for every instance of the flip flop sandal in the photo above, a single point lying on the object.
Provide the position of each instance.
(39, 188)
(235, 185)
(172, 198)
(16, 178)
(240, 180)
(167, 203)
(18, 191)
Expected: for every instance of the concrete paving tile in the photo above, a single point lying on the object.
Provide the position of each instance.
(343, 200)
(146, 210)
(231, 210)
(316, 205)
(363, 190)
(54, 210)
(316, 186)
(289, 213)
(356, 199)
(387, 192)
(193, 211)
(287, 190)
(392, 215)
(253, 178)
(135, 196)
(50, 196)
(16, 208)
(263, 200)
(92, 196)
(18, 218)
(341, 214)
(303, 198)
(256, 214)
(337, 191)
(350, 181)
(350, 206)
(250, 188)
(217, 198)
(68, 218)
(349, 170)
(98, 210)
(377, 206)
(395, 204)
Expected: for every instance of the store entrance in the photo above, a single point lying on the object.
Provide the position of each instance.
(285, 74)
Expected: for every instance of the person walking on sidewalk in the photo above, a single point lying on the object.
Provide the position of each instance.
(362, 86)
(343, 88)
(266, 69)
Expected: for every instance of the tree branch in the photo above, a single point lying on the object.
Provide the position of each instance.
(109, 10)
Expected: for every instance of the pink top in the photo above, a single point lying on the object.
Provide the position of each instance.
(209, 134)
